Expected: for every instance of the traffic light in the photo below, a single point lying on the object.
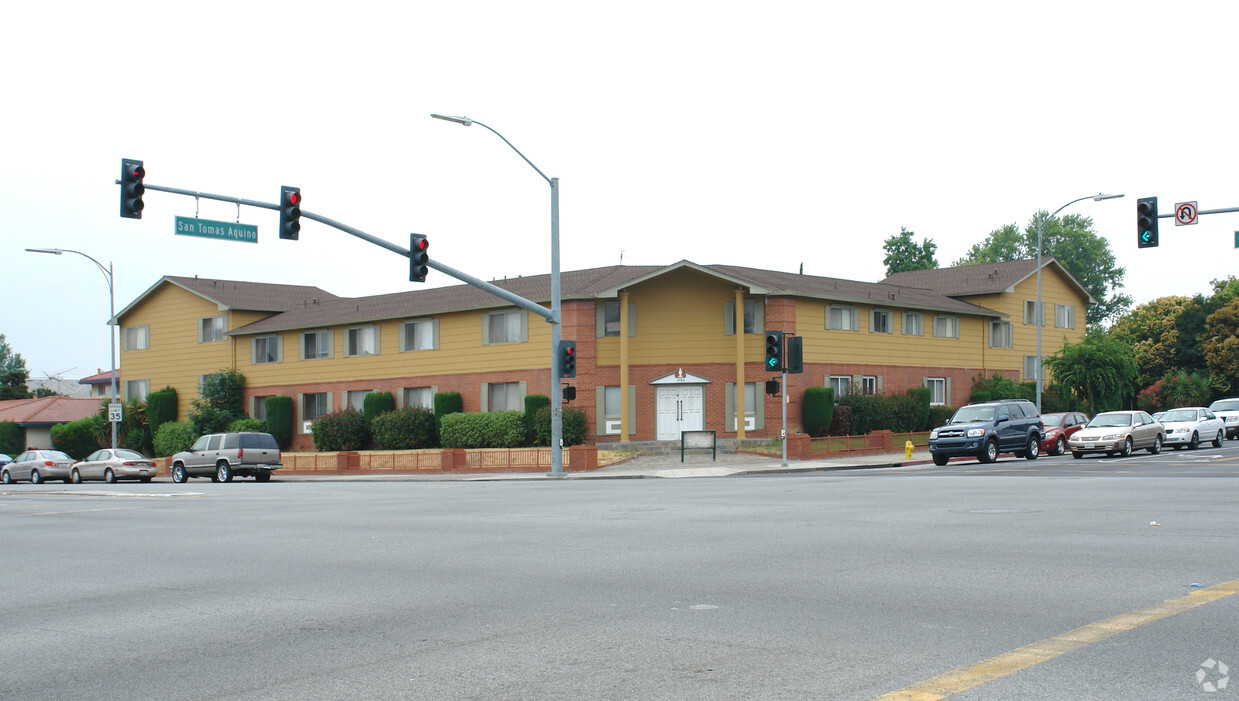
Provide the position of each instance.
(290, 212)
(774, 351)
(131, 188)
(1146, 222)
(569, 393)
(418, 258)
(772, 387)
(795, 354)
(567, 358)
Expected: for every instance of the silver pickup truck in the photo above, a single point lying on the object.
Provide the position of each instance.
(221, 456)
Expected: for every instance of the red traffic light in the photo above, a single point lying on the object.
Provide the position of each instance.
(294, 198)
(421, 244)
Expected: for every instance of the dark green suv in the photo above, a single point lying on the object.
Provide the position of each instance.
(985, 429)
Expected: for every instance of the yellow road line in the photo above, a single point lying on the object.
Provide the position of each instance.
(965, 678)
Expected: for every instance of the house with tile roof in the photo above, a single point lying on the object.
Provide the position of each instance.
(35, 417)
(657, 346)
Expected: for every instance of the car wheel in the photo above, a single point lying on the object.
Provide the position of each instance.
(1157, 446)
(1195, 442)
(6, 478)
(1061, 446)
(1217, 442)
(1034, 448)
(991, 451)
(1127, 446)
(940, 460)
(262, 476)
(223, 472)
(178, 473)
(109, 476)
(35, 477)
(1077, 454)
(75, 477)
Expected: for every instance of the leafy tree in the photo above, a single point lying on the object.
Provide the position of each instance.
(222, 401)
(13, 373)
(1220, 346)
(1155, 332)
(1100, 369)
(1072, 241)
(904, 254)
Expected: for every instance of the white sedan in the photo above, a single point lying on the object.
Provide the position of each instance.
(1189, 426)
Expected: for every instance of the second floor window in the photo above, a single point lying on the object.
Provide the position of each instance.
(753, 322)
(210, 329)
(946, 326)
(266, 349)
(913, 324)
(505, 327)
(362, 340)
(135, 338)
(1000, 334)
(880, 321)
(315, 344)
(1064, 316)
(842, 318)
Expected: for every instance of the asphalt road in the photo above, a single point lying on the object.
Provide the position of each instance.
(844, 585)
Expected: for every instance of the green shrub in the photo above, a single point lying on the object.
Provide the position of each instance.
(446, 403)
(248, 424)
(409, 428)
(982, 395)
(341, 430)
(10, 438)
(160, 408)
(574, 427)
(870, 412)
(280, 420)
(922, 396)
(818, 410)
(77, 438)
(939, 415)
(222, 401)
(1000, 387)
(841, 424)
(134, 431)
(534, 402)
(494, 429)
(173, 437)
(376, 404)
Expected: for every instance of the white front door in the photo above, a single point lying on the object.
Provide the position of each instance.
(679, 409)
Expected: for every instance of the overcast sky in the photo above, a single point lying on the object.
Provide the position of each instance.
(767, 134)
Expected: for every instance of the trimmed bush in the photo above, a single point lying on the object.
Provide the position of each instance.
(981, 396)
(446, 403)
(77, 438)
(574, 427)
(222, 402)
(818, 409)
(869, 412)
(10, 438)
(922, 396)
(280, 420)
(160, 408)
(248, 424)
(341, 430)
(939, 415)
(376, 404)
(841, 424)
(905, 412)
(173, 437)
(494, 429)
(534, 402)
(409, 428)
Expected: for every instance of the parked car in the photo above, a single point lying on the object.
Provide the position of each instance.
(1157, 415)
(5, 460)
(221, 456)
(1228, 411)
(111, 465)
(985, 429)
(1058, 428)
(37, 466)
(1119, 432)
(1188, 426)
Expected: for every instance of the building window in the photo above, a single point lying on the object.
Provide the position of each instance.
(419, 397)
(135, 338)
(504, 327)
(266, 349)
(315, 344)
(1030, 367)
(136, 390)
(210, 329)
(913, 324)
(361, 340)
(504, 396)
(841, 384)
(880, 321)
(752, 396)
(418, 335)
(946, 326)
(937, 390)
(753, 322)
(357, 398)
(869, 384)
(842, 318)
(611, 408)
(260, 408)
(315, 406)
(1031, 318)
(1064, 316)
(1000, 334)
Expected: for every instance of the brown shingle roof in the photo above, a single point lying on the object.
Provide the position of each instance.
(251, 296)
(46, 411)
(981, 279)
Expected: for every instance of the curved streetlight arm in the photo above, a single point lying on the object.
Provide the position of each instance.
(467, 122)
(107, 275)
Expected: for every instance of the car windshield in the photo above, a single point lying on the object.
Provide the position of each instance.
(129, 454)
(54, 455)
(1110, 420)
(970, 414)
(1179, 415)
(1051, 420)
(1225, 405)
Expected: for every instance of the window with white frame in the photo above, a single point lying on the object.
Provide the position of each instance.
(315, 405)
(913, 324)
(136, 390)
(266, 349)
(419, 397)
(357, 398)
(1065, 316)
(752, 317)
(260, 408)
(842, 318)
(210, 329)
(315, 344)
(869, 384)
(1030, 367)
(418, 334)
(504, 327)
(361, 340)
(946, 326)
(841, 384)
(1031, 318)
(880, 321)
(504, 396)
(1000, 334)
(135, 338)
(937, 390)
(611, 405)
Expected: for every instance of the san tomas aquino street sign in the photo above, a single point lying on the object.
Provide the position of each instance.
(206, 228)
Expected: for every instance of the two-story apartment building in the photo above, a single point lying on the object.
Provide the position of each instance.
(660, 349)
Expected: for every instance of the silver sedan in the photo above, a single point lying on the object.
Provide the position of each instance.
(111, 465)
(1117, 432)
(1190, 426)
(37, 466)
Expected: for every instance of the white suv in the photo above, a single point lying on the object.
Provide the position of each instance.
(1228, 411)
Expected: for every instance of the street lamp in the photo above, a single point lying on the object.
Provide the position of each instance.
(557, 411)
(107, 274)
(1039, 311)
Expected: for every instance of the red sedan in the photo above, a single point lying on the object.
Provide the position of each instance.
(1058, 428)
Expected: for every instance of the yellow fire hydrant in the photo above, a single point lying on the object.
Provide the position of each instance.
(907, 450)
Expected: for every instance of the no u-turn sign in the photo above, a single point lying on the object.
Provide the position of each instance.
(1185, 213)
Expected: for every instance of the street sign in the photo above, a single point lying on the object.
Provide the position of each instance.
(206, 228)
(1185, 213)
(116, 413)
